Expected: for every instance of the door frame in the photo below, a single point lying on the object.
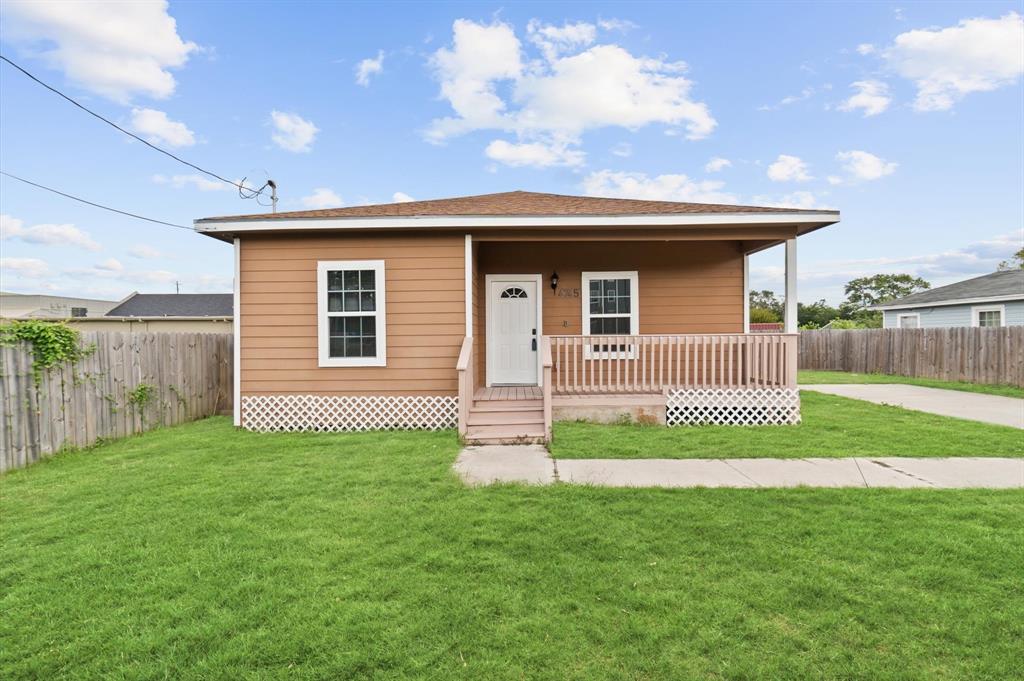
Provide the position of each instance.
(488, 319)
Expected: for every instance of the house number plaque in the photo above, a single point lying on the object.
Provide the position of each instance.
(567, 293)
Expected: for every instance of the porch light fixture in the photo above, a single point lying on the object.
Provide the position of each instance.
(554, 280)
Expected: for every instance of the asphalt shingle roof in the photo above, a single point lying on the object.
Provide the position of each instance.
(1008, 283)
(175, 305)
(518, 203)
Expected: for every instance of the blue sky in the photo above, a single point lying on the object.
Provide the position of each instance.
(906, 116)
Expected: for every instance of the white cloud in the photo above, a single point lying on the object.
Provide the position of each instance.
(144, 252)
(554, 101)
(553, 40)
(613, 24)
(872, 97)
(947, 64)
(788, 169)
(110, 265)
(401, 197)
(625, 185)
(116, 49)
(322, 197)
(203, 184)
(32, 268)
(622, 150)
(834, 179)
(534, 154)
(799, 199)
(369, 67)
(293, 133)
(156, 127)
(864, 166)
(717, 164)
(45, 234)
(866, 48)
(806, 93)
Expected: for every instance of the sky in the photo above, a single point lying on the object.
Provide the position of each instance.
(907, 117)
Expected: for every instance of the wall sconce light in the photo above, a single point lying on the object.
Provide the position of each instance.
(554, 281)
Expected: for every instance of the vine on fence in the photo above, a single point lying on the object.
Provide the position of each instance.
(52, 342)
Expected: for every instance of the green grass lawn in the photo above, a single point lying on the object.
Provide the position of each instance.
(812, 377)
(199, 552)
(831, 426)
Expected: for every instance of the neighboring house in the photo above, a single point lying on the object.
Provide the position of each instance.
(166, 312)
(995, 299)
(32, 306)
(502, 311)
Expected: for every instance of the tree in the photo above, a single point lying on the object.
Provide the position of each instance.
(1016, 262)
(762, 315)
(815, 315)
(766, 300)
(864, 292)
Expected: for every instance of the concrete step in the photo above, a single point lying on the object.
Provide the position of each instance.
(496, 418)
(505, 434)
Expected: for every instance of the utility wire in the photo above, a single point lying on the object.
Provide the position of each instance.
(241, 187)
(97, 205)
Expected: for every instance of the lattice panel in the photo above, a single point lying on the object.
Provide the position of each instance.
(349, 412)
(733, 407)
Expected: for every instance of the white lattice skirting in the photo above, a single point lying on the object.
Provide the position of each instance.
(349, 412)
(734, 407)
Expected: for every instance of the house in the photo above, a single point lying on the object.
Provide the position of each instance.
(995, 299)
(33, 306)
(166, 312)
(500, 312)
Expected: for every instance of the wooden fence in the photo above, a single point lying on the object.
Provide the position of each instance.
(184, 376)
(978, 355)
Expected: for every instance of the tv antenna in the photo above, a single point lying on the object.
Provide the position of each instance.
(257, 193)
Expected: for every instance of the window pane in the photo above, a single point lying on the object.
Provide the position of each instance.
(369, 326)
(351, 280)
(368, 280)
(334, 302)
(623, 287)
(621, 325)
(369, 346)
(337, 326)
(595, 305)
(352, 326)
(351, 302)
(369, 301)
(337, 347)
(334, 281)
(595, 288)
(609, 302)
(989, 318)
(596, 326)
(623, 305)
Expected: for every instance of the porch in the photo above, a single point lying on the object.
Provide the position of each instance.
(669, 379)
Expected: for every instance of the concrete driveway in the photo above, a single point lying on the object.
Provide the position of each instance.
(1003, 411)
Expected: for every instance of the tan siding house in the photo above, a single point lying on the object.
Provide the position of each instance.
(497, 313)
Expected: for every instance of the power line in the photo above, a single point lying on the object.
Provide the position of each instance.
(241, 187)
(97, 205)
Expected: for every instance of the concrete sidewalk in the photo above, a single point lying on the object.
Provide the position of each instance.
(1003, 411)
(532, 464)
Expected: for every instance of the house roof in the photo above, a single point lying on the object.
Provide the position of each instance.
(519, 203)
(998, 285)
(175, 305)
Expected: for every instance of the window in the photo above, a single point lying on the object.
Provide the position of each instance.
(513, 292)
(610, 307)
(350, 306)
(78, 311)
(908, 321)
(988, 315)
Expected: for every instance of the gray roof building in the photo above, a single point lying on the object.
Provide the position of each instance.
(174, 305)
(1006, 285)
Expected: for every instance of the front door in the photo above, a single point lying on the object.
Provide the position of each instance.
(512, 340)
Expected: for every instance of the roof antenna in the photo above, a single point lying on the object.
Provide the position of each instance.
(247, 193)
(273, 194)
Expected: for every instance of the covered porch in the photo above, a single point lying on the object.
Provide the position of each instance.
(608, 326)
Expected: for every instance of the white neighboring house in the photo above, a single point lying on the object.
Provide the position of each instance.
(995, 299)
(35, 306)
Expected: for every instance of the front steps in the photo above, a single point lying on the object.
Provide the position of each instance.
(504, 422)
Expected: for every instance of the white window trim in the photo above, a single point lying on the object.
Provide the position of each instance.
(634, 310)
(978, 309)
(323, 328)
(916, 315)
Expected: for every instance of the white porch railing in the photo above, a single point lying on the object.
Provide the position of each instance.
(657, 363)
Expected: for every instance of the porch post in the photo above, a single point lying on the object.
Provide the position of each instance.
(236, 330)
(790, 312)
(746, 293)
(469, 285)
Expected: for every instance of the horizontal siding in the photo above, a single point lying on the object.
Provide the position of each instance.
(954, 315)
(684, 287)
(425, 314)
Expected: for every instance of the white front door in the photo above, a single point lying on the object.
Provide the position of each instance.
(512, 333)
